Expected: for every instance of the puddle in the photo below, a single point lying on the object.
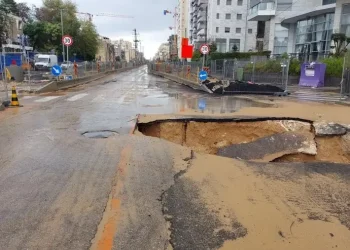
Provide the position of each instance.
(100, 134)
(263, 140)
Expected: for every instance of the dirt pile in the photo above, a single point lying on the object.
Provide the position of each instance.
(257, 139)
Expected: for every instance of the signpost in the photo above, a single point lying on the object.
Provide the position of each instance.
(67, 41)
(204, 49)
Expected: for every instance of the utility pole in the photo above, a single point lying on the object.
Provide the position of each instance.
(135, 39)
(136, 42)
(62, 33)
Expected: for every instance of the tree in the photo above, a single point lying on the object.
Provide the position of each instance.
(7, 7)
(213, 47)
(24, 12)
(87, 41)
(44, 30)
(196, 55)
(340, 42)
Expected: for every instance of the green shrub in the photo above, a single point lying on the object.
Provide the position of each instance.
(238, 55)
(334, 66)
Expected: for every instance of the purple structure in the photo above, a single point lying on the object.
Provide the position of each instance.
(312, 74)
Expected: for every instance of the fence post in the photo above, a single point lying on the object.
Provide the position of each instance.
(287, 76)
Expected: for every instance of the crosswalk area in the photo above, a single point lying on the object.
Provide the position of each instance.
(316, 95)
(45, 99)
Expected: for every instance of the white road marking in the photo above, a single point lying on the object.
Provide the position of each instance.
(99, 98)
(76, 97)
(46, 99)
(28, 97)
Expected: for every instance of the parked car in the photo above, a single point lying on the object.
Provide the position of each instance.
(66, 64)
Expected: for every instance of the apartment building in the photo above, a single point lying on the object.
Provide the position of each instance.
(163, 52)
(105, 52)
(223, 22)
(15, 40)
(124, 50)
(304, 28)
(182, 22)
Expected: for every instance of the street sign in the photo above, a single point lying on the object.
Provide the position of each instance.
(204, 49)
(56, 70)
(67, 40)
(203, 75)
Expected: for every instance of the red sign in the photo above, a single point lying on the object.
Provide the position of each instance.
(186, 50)
(204, 49)
(67, 40)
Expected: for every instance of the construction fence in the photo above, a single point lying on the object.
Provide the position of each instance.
(256, 70)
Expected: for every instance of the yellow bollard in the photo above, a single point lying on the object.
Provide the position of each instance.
(14, 98)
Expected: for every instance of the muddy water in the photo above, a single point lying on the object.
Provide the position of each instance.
(175, 102)
(257, 140)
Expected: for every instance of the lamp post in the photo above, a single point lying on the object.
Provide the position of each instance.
(63, 54)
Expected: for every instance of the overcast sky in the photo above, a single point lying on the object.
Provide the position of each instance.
(149, 20)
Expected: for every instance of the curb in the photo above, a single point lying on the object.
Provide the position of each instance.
(182, 81)
(55, 86)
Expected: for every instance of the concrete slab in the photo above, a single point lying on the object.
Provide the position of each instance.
(271, 147)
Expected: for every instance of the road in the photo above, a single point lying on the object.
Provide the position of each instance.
(73, 176)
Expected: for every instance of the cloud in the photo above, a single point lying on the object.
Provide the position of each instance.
(148, 19)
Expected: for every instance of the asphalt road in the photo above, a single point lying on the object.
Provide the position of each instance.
(56, 181)
(72, 176)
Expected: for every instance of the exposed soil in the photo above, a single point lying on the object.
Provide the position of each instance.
(296, 139)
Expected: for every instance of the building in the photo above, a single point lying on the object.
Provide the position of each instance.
(163, 52)
(342, 17)
(124, 50)
(223, 22)
(182, 22)
(105, 52)
(15, 40)
(303, 28)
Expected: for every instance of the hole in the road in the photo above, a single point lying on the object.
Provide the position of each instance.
(289, 140)
(100, 134)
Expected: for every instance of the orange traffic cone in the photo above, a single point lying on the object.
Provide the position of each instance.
(14, 98)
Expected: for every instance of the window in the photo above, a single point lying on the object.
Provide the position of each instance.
(227, 30)
(239, 16)
(217, 29)
(217, 15)
(228, 16)
(345, 19)
(285, 5)
(234, 45)
(250, 31)
(281, 39)
(239, 2)
(221, 44)
(325, 2)
(218, 2)
(228, 2)
(20, 25)
(238, 30)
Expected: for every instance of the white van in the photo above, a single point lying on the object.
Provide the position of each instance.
(45, 61)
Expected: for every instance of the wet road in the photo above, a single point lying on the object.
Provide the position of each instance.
(62, 185)
(72, 176)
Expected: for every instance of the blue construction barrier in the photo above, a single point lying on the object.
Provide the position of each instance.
(9, 58)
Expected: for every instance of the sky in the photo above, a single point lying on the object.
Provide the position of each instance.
(149, 20)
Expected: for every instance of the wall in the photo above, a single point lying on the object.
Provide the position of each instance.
(247, 41)
(337, 15)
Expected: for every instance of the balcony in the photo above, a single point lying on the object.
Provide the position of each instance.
(262, 11)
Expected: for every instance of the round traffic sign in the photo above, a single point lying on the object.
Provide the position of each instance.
(67, 40)
(204, 49)
(56, 70)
